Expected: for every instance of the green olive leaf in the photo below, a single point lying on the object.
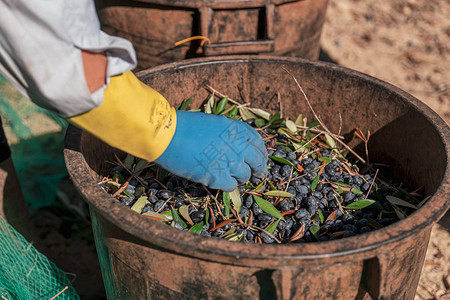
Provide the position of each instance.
(341, 183)
(184, 211)
(314, 229)
(330, 141)
(139, 204)
(168, 214)
(246, 114)
(221, 106)
(127, 194)
(140, 166)
(315, 182)
(206, 216)
(267, 207)
(229, 109)
(233, 113)
(300, 148)
(260, 122)
(260, 112)
(177, 218)
(275, 119)
(128, 161)
(197, 228)
(321, 217)
(155, 215)
(357, 191)
(299, 120)
(313, 124)
(271, 228)
(400, 214)
(226, 202)
(236, 199)
(236, 237)
(260, 186)
(400, 202)
(283, 161)
(278, 194)
(291, 126)
(210, 105)
(325, 159)
(183, 105)
(423, 201)
(229, 232)
(360, 204)
(272, 187)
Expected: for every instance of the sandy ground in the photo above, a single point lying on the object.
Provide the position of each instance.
(406, 43)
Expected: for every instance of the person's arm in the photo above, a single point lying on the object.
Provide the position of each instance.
(55, 53)
(41, 44)
(94, 67)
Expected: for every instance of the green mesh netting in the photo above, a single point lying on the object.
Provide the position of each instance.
(27, 274)
(104, 256)
(36, 139)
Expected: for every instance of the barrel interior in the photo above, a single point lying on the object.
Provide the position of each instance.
(401, 136)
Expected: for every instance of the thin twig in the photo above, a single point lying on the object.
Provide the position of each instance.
(215, 200)
(311, 152)
(215, 92)
(353, 152)
(338, 202)
(305, 123)
(366, 144)
(104, 181)
(321, 123)
(307, 100)
(290, 178)
(123, 187)
(164, 204)
(370, 188)
(243, 105)
(340, 124)
(159, 182)
(238, 218)
(281, 104)
(260, 229)
(129, 171)
(362, 137)
(308, 142)
(348, 168)
(320, 131)
(189, 200)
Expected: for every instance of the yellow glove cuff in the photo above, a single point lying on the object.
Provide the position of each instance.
(133, 118)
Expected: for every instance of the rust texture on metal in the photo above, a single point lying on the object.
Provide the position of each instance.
(284, 28)
(173, 264)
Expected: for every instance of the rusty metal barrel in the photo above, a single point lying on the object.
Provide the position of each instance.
(145, 259)
(275, 27)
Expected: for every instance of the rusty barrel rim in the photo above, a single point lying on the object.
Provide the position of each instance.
(222, 250)
(217, 4)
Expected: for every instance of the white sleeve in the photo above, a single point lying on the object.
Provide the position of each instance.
(40, 52)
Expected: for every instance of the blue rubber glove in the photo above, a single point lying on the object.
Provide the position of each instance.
(214, 150)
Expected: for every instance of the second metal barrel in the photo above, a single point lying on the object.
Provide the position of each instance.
(275, 27)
